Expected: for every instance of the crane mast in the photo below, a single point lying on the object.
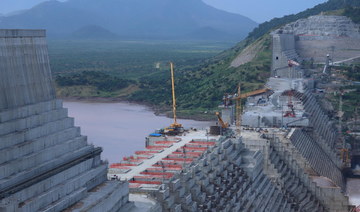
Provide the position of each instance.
(238, 111)
(238, 98)
(175, 124)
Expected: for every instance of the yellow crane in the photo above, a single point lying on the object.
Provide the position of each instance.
(238, 103)
(223, 124)
(175, 127)
(251, 93)
(175, 124)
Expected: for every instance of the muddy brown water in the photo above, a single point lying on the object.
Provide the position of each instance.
(120, 128)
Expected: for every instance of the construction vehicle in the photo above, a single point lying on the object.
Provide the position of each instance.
(224, 125)
(174, 128)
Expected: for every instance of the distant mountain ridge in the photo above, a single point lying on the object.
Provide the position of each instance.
(138, 19)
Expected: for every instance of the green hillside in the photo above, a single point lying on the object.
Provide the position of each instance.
(201, 87)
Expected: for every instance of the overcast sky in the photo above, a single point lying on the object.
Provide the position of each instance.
(263, 10)
(258, 10)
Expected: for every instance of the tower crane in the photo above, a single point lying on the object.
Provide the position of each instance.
(238, 98)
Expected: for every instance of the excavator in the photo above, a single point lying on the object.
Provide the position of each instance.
(174, 128)
(224, 125)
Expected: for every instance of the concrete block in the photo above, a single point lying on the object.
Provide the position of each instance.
(163, 194)
(175, 185)
(177, 208)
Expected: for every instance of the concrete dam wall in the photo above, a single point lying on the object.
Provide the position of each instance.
(283, 51)
(45, 163)
(229, 178)
(301, 150)
(320, 35)
(24, 58)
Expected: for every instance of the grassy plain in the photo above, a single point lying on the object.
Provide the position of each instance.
(83, 69)
(127, 59)
(203, 72)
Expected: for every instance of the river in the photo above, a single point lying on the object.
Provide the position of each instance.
(119, 128)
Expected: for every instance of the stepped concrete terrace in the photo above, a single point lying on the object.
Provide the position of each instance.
(196, 172)
(45, 163)
(300, 155)
(229, 178)
(294, 173)
(317, 36)
(313, 153)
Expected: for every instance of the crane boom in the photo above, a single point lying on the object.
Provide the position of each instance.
(251, 93)
(238, 103)
(223, 124)
(175, 124)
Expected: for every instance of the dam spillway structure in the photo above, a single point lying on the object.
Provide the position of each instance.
(308, 143)
(45, 163)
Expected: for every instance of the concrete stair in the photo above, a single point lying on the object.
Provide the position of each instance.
(317, 158)
(292, 184)
(227, 186)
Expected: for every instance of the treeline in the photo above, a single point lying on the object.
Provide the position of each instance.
(202, 87)
(324, 7)
(101, 81)
(353, 72)
(353, 13)
(351, 98)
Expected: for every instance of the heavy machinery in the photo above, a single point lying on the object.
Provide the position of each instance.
(238, 98)
(174, 128)
(224, 125)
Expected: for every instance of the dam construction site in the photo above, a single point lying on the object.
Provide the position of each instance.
(274, 149)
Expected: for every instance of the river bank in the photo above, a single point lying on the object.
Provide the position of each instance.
(119, 127)
(158, 110)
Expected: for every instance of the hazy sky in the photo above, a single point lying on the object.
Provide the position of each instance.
(258, 10)
(264, 10)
